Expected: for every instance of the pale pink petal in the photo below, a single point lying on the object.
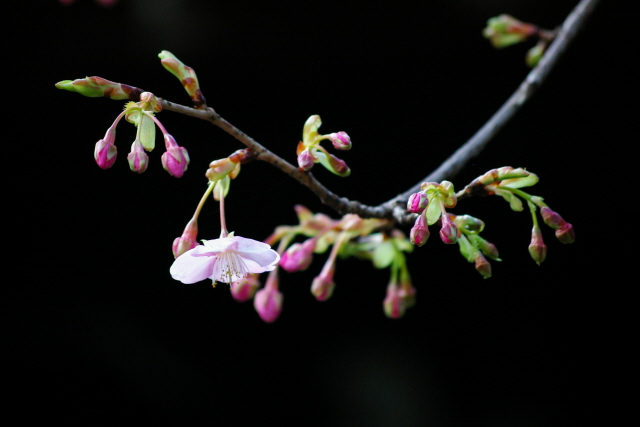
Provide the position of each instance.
(259, 252)
(254, 267)
(221, 244)
(191, 269)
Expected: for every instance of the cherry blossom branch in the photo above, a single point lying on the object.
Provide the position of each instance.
(396, 207)
(566, 34)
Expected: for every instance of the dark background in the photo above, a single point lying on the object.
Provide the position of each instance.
(101, 333)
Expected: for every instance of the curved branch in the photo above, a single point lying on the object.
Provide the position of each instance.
(470, 149)
(396, 207)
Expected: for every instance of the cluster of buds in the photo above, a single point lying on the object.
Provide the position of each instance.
(345, 237)
(472, 246)
(140, 113)
(507, 182)
(386, 249)
(431, 205)
(505, 30)
(310, 151)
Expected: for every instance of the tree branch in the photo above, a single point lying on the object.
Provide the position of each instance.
(396, 207)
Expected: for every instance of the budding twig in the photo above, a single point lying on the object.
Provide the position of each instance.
(396, 207)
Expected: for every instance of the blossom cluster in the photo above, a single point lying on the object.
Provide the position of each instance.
(238, 261)
(310, 151)
(505, 30)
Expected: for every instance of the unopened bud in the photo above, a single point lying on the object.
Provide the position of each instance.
(187, 241)
(483, 266)
(394, 304)
(322, 287)
(105, 152)
(340, 140)
(337, 166)
(298, 256)
(535, 53)
(176, 159)
(487, 248)
(244, 289)
(417, 202)
(220, 168)
(185, 74)
(537, 248)
(138, 158)
(95, 86)
(551, 218)
(566, 234)
(505, 30)
(268, 304)
(448, 230)
(420, 231)
(305, 161)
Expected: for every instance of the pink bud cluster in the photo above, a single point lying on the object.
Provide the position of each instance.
(175, 160)
(430, 204)
(310, 151)
(564, 231)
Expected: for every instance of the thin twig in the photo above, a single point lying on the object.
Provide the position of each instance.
(396, 207)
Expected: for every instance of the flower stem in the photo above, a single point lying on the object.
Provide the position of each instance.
(223, 224)
(156, 121)
(204, 199)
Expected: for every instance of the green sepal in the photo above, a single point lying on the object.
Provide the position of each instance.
(147, 132)
(384, 254)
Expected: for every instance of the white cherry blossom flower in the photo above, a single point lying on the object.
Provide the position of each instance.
(226, 260)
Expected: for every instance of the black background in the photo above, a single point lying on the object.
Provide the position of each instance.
(101, 333)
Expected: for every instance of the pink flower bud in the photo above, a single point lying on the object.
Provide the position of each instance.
(298, 256)
(448, 230)
(105, 154)
(420, 231)
(338, 166)
(537, 248)
(340, 140)
(483, 266)
(394, 303)
(176, 159)
(417, 202)
(268, 304)
(138, 158)
(188, 239)
(566, 234)
(106, 151)
(244, 289)
(305, 161)
(551, 218)
(322, 287)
